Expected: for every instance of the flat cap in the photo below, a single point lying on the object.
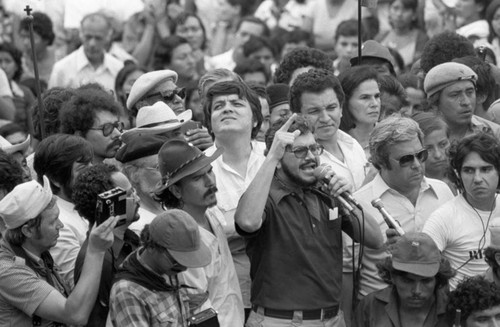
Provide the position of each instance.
(146, 83)
(446, 74)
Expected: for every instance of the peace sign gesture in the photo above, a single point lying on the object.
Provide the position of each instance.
(282, 138)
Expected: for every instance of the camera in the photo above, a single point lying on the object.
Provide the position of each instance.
(111, 203)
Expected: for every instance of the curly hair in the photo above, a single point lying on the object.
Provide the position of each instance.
(56, 155)
(444, 47)
(484, 144)
(315, 81)
(444, 274)
(249, 66)
(489, 257)
(300, 123)
(53, 100)
(91, 182)
(42, 25)
(243, 91)
(79, 113)
(472, 295)
(298, 58)
(350, 80)
(11, 173)
(17, 56)
(388, 132)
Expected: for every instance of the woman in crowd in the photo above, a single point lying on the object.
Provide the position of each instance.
(493, 19)
(176, 53)
(405, 35)
(437, 143)
(123, 83)
(190, 27)
(361, 109)
(11, 63)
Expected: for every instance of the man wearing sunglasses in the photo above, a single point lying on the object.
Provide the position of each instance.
(160, 85)
(397, 152)
(293, 233)
(93, 114)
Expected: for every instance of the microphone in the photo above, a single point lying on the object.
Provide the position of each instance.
(389, 220)
(345, 198)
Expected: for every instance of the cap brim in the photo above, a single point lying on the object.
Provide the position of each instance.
(193, 259)
(183, 118)
(21, 147)
(420, 269)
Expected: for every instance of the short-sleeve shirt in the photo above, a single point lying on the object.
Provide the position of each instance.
(296, 255)
(21, 290)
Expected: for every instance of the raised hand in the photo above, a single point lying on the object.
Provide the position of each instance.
(282, 138)
(101, 237)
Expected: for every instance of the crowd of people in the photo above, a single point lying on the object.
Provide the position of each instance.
(239, 163)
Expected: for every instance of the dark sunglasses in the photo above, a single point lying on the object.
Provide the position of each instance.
(108, 128)
(408, 159)
(169, 96)
(301, 151)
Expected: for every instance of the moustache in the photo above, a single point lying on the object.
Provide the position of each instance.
(211, 190)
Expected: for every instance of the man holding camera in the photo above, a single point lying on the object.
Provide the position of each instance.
(99, 190)
(32, 291)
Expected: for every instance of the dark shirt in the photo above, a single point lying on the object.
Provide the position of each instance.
(110, 265)
(296, 255)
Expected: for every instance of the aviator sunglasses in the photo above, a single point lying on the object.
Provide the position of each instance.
(408, 159)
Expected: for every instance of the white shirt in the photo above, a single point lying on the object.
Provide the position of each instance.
(219, 277)
(231, 186)
(71, 238)
(458, 230)
(432, 194)
(354, 164)
(75, 70)
(146, 217)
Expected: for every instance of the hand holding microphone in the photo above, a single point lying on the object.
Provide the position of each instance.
(345, 198)
(389, 220)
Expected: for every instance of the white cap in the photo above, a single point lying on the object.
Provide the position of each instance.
(25, 202)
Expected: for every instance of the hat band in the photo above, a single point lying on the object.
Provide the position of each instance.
(161, 123)
(168, 176)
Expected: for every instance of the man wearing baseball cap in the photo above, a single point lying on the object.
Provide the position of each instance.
(147, 291)
(32, 291)
(160, 85)
(451, 91)
(418, 278)
(189, 184)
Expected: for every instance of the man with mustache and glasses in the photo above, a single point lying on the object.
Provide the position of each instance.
(451, 91)
(417, 296)
(93, 114)
(293, 233)
(160, 85)
(398, 153)
(188, 183)
(461, 226)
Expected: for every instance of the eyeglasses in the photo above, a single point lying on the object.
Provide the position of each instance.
(408, 159)
(301, 151)
(108, 128)
(169, 96)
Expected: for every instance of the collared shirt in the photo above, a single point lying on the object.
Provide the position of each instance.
(296, 255)
(21, 290)
(354, 164)
(432, 194)
(231, 186)
(380, 309)
(71, 238)
(461, 233)
(219, 277)
(75, 70)
(132, 304)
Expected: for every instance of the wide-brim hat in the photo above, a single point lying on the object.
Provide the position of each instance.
(178, 159)
(146, 83)
(9, 148)
(416, 253)
(178, 232)
(156, 119)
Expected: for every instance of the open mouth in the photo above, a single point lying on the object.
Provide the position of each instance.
(308, 167)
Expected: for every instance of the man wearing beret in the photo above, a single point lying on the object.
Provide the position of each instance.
(160, 85)
(32, 293)
(451, 91)
(418, 278)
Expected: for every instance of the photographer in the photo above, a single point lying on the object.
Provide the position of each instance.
(90, 183)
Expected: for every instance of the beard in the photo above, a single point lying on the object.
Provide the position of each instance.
(295, 177)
